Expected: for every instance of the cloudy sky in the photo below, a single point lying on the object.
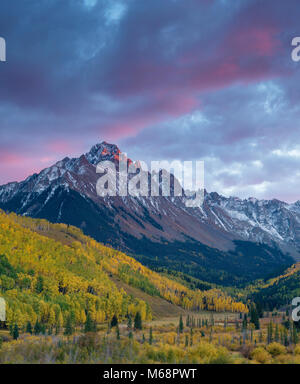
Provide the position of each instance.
(208, 80)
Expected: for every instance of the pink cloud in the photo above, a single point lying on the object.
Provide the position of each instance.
(253, 40)
(163, 106)
(62, 146)
(16, 166)
(10, 158)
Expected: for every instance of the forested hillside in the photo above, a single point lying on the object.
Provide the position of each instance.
(279, 291)
(54, 274)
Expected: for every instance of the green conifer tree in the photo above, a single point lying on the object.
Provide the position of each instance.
(15, 334)
(88, 326)
(186, 340)
(114, 321)
(180, 324)
(138, 321)
(129, 322)
(150, 336)
(37, 328)
(69, 329)
(29, 328)
(277, 333)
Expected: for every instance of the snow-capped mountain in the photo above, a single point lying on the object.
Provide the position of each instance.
(219, 221)
(209, 237)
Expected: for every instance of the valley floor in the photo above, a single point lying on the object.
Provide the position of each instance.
(204, 338)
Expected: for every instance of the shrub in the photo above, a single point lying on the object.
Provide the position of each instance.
(276, 349)
(261, 355)
(284, 359)
(246, 350)
(297, 350)
(210, 354)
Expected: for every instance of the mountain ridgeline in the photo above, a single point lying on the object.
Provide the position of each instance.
(227, 241)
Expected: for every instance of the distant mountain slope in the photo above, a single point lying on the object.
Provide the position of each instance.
(279, 291)
(266, 221)
(52, 271)
(210, 242)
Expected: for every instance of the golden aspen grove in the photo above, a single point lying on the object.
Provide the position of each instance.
(50, 279)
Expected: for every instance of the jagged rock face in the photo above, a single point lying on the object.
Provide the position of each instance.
(217, 223)
(269, 221)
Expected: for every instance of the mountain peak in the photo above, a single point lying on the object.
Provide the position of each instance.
(103, 151)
